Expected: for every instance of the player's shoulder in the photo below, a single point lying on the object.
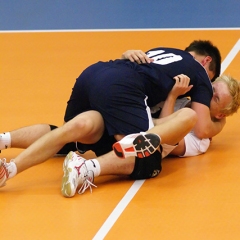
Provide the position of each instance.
(168, 50)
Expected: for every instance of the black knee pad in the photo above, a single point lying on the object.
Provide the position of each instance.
(148, 167)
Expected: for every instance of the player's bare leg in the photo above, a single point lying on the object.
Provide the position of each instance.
(87, 127)
(23, 137)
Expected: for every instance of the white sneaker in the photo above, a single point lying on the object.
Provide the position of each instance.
(4, 174)
(140, 145)
(75, 174)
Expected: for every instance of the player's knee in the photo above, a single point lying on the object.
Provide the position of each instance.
(78, 124)
(81, 124)
(86, 127)
(188, 116)
(149, 167)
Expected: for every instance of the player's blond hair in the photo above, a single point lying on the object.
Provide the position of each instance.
(234, 89)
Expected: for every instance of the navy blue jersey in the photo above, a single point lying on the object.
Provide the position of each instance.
(168, 63)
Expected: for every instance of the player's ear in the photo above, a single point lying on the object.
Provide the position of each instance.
(206, 60)
(220, 116)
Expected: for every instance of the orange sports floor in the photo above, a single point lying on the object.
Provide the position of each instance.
(193, 198)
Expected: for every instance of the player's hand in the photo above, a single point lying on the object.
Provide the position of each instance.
(181, 86)
(136, 56)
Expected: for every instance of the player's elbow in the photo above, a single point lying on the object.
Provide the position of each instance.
(202, 133)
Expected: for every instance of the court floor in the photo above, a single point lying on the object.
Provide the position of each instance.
(193, 198)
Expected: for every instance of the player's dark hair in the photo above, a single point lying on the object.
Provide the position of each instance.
(206, 48)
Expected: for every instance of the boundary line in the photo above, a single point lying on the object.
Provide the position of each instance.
(102, 232)
(231, 55)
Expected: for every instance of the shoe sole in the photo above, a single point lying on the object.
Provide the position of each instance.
(142, 146)
(66, 185)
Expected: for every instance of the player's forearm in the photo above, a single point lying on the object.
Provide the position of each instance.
(208, 129)
(168, 106)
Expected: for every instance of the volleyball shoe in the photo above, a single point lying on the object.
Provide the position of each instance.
(140, 145)
(76, 175)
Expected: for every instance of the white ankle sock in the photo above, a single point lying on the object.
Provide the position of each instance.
(12, 169)
(5, 140)
(93, 165)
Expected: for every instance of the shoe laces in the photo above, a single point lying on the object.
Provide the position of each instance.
(6, 165)
(4, 173)
(87, 183)
(3, 162)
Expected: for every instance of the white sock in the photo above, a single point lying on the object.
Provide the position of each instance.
(5, 140)
(93, 165)
(12, 169)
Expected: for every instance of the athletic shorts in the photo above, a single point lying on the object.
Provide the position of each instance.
(116, 91)
(194, 145)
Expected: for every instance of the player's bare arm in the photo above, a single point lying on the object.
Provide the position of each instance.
(205, 126)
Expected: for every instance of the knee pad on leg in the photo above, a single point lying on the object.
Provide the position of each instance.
(148, 167)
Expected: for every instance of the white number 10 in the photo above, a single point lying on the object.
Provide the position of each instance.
(163, 59)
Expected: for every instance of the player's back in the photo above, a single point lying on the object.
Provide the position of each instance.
(168, 63)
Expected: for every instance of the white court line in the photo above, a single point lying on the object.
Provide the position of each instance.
(118, 210)
(231, 55)
(118, 30)
(137, 184)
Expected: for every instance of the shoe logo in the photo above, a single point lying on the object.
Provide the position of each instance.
(78, 168)
(93, 163)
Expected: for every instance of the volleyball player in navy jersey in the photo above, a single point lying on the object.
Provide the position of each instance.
(122, 90)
